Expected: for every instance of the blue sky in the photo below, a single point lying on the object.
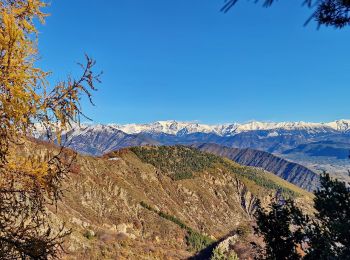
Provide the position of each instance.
(185, 60)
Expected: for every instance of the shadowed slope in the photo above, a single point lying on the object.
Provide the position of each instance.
(292, 172)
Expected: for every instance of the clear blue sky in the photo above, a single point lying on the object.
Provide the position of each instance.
(185, 60)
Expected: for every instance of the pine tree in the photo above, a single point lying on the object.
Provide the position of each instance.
(275, 223)
(325, 234)
(329, 233)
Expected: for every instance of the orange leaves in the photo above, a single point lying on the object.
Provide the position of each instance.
(30, 178)
(23, 173)
(32, 167)
(18, 77)
(25, 101)
(20, 88)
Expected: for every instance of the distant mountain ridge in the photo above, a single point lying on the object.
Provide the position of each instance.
(292, 141)
(270, 137)
(172, 127)
(179, 128)
(290, 171)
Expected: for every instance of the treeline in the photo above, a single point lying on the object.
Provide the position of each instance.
(179, 162)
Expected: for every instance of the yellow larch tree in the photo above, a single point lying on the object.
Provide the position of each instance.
(27, 103)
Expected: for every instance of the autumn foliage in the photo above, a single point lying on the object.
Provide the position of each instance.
(29, 104)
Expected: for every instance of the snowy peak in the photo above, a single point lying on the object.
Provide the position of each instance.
(97, 139)
(166, 127)
(180, 128)
(340, 125)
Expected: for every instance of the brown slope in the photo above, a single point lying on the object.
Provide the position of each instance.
(106, 202)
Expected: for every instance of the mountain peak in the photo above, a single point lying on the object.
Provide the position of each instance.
(179, 127)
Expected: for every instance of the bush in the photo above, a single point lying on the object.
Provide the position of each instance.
(197, 241)
(182, 176)
(89, 234)
(244, 230)
(218, 254)
(173, 219)
(146, 206)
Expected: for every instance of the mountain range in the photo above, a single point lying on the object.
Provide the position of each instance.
(271, 137)
(180, 128)
(179, 192)
(318, 146)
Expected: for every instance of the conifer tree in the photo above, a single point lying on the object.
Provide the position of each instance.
(275, 223)
(27, 103)
(335, 13)
(329, 233)
(324, 235)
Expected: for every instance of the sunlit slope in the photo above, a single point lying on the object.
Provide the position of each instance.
(180, 162)
(160, 202)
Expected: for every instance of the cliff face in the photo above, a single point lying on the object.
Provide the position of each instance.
(292, 172)
(128, 205)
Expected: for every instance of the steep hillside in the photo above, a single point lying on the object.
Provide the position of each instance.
(292, 172)
(161, 203)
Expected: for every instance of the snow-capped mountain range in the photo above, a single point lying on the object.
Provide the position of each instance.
(299, 140)
(325, 146)
(172, 127)
(181, 128)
